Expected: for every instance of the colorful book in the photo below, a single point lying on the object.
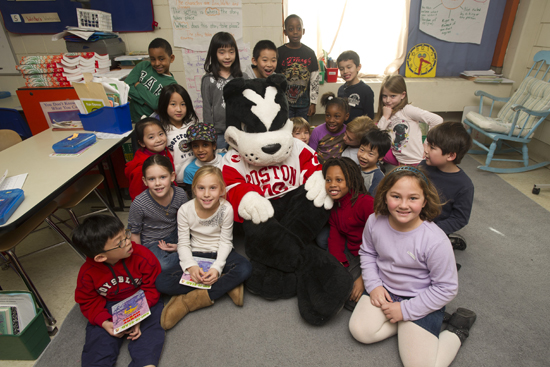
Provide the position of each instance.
(205, 265)
(129, 312)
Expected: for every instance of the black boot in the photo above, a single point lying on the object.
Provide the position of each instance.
(457, 241)
(460, 323)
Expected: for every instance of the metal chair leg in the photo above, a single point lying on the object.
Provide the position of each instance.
(67, 239)
(21, 272)
(98, 194)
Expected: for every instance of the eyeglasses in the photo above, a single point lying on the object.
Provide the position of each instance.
(123, 243)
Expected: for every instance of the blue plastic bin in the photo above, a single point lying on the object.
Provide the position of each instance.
(114, 120)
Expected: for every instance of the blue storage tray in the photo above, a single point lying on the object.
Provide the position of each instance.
(74, 145)
(113, 120)
(9, 202)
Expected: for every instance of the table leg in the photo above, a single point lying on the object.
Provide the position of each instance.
(115, 183)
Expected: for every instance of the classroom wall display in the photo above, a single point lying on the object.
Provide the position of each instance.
(195, 22)
(454, 20)
(49, 17)
(7, 57)
(452, 57)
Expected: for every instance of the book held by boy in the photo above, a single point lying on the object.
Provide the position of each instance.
(130, 311)
(205, 265)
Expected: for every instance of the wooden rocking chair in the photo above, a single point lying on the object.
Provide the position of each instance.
(517, 120)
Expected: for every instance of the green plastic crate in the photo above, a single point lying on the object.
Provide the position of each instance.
(29, 343)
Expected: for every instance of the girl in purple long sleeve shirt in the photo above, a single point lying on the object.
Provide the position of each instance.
(409, 272)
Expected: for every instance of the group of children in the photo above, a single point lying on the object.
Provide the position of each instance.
(392, 232)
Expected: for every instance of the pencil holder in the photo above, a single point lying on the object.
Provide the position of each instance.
(114, 120)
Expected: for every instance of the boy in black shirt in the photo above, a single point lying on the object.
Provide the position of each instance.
(360, 96)
(299, 64)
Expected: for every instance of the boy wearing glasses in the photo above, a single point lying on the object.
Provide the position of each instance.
(115, 269)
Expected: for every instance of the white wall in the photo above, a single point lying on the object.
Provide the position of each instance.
(262, 19)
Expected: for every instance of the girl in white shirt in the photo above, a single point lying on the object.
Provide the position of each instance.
(401, 120)
(205, 229)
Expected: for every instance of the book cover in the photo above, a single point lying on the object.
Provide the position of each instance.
(90, 105)
(205, 265)
(129, 312)
(58, 112)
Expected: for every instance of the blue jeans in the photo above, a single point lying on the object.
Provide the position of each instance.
(168, 260)
(298, 112)
(237, 269)
(101, 349)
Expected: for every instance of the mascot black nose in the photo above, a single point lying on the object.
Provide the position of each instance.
(271, 149)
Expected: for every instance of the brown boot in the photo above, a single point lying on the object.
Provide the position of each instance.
(237, 295)
(181, 305)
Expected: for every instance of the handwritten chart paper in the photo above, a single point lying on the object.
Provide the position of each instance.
(459, 21)
(193, 62)
(196, 21)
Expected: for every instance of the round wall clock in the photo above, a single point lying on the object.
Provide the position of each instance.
(421, 61)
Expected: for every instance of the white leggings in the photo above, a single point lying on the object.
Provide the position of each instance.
(417, 346)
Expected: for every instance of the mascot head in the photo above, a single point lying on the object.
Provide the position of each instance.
(257, 119)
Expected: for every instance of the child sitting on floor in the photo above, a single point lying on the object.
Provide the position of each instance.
(151, 136)
(301, 129)
(374, 146)
(445, 147)
(205, 229)
(355, 130)
(352, 207)
(328, 139)
(152, 218)
(202, 139)
(116, 269)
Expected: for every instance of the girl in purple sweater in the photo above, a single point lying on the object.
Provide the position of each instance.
(410, 275)
(352, 207)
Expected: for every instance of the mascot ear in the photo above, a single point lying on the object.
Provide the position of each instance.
(233, 88)
(278, 81)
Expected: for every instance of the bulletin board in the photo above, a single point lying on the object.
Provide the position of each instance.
(453, 58)
(127, 15)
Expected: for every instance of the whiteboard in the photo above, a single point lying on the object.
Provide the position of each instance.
(7, 58)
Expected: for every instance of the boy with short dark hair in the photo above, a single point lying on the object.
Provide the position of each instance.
(116, 269)
(446, 145)
(148, 78)
(299, 65)
(360, 96)
(374, 146)
(264, 60)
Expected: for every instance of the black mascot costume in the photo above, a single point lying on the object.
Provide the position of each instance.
(276, 187)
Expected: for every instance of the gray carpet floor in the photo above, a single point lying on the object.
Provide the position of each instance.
(503, 279)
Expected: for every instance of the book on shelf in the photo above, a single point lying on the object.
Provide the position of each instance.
(9, 320)
(130, 311)
(62, 115)
(205, 265)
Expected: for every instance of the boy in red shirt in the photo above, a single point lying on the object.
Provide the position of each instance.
(116, 269)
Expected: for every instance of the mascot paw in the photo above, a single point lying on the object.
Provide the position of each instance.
(323, 286)
(255, 208)
(316, 192)
(270, 283)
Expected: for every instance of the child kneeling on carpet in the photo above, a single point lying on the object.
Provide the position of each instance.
(446, 145)
(352, 207)
(116, 269)
(409, 271)
(205, 230)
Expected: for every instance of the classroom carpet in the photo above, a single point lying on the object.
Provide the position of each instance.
(504, 278)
